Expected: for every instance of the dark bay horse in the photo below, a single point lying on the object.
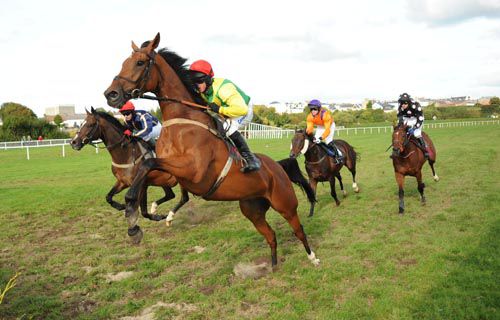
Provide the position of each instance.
(408, 159)
(189, 149)
(127, 155)
(321, 167)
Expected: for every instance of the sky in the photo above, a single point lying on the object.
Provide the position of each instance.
(67, 52)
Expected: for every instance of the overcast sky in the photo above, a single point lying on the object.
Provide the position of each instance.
(67, 52)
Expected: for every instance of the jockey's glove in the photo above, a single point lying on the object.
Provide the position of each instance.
(214, 107)
(127, 133)
(411, 131)
(318, 140)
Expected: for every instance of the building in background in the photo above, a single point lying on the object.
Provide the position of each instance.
(67, 113)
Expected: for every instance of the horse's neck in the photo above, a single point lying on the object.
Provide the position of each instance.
(314, 153)
(110, 137)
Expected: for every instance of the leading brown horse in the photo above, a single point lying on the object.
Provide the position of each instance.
(321, 167)
(190, 150)
(408, 159)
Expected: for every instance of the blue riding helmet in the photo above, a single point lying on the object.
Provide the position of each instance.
(314, 104)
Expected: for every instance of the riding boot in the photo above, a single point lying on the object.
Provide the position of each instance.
(338, 158)
(424, 147)
(252, 162)
(152, 145)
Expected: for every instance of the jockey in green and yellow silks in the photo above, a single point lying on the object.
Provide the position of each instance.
(225, 98)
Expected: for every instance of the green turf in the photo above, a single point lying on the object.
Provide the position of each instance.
(440, 261)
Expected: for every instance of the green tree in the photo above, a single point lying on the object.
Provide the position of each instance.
(369, 105)
(13, 109)
(495, 101)
(58, 120)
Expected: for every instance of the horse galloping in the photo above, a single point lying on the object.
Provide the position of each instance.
(127, 155)
(408, 159)
(320, 166)
(189, 149)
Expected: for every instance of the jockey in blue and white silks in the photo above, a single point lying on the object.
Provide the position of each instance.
(410, 113)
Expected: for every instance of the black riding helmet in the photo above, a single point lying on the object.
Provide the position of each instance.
(404, 97)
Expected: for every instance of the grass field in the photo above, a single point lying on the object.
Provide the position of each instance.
(441, 261)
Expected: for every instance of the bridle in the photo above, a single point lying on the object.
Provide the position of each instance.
(403, 146)
(89, 137)
(143, 79)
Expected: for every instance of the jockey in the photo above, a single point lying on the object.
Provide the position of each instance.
(142, 123)
(325, 127)
(410, 113)
(225, 98)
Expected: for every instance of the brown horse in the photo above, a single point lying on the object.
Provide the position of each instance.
(320, 166)
(127, 155)
(408, 159)
(189, 148)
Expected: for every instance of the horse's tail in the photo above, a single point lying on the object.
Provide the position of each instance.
(291, 167)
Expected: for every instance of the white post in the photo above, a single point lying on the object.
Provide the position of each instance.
(27, 152)
(63, 153)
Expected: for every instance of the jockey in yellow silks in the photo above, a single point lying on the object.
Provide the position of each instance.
(225, 98)
(325, 127)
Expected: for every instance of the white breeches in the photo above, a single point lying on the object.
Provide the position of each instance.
(155, 133)
(411, 122)
(319, 132)
(233, 124)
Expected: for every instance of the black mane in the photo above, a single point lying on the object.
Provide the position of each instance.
(178, 63)
(111, 119)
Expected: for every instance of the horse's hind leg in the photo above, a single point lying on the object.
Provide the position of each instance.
(434, 175)
(117, 188)
(171, 213)
(314, 185)
(333, 192)
(421, 187)
(400, 179)
(144, 206)
(255, 210)
(288, 210)
(339, 177)
(169, 194)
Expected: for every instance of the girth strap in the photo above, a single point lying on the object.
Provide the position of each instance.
(128, 165)
(170, 122)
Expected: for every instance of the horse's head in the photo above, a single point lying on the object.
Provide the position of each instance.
(300, 143)
(88, 132)
(399, 139)
(137, 76)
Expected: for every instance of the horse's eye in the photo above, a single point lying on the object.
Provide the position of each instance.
(140, 63)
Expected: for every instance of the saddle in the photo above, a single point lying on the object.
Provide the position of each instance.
(221, 134)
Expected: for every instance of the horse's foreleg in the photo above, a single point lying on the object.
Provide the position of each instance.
(401, 181)
(421, 187)
(133, 195)
(184, 199)
(169, 194)
(117, 188)
(434, 175)
(314, 185)
(339, 177)
(333, 192)
(144, 206)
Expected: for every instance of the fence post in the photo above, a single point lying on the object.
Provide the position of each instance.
(63, 153)
(27, 152)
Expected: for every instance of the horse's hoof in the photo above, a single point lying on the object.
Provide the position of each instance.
(312, 257)
(436, 178)
(154, 207)
(170, 218)
(401, 210)
(168, 223)
(337, 203)
(344, 193)
(355, 187)
(136, 238)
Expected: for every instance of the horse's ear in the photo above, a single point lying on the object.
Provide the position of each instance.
(87, 111)
(156, 41)
(134, 46)
(92, 110)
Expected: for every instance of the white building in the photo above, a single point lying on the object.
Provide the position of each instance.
(287, 107)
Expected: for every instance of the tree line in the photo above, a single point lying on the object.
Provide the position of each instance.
(21, 122)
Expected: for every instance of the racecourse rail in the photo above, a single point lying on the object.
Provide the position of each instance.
(255, 131)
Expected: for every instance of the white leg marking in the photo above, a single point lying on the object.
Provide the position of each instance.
(313, 259)
(436, 178)
(355, 187)
(169, 219)
(154, 207)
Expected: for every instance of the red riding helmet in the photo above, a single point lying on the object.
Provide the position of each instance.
(202, 66)
(128, 106)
